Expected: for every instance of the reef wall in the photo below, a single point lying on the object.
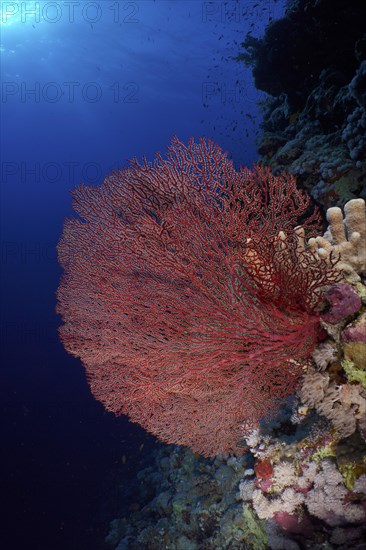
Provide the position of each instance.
(312, 65)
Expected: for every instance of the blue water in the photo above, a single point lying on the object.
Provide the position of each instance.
(85, 86)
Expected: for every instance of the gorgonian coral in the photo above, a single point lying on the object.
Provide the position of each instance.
(189, 295)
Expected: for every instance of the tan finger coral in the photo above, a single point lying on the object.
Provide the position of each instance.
(345, 238)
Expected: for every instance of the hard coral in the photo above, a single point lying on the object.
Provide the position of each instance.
(345, 238)
(188, 311)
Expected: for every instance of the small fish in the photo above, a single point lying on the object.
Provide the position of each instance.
(123, 459)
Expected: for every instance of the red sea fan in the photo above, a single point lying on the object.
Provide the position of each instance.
(188, 311)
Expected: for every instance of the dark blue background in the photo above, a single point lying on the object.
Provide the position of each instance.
(110, 80)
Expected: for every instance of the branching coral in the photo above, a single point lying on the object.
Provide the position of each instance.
(345, 238)
(188, 310)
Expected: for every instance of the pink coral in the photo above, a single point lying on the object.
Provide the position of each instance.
(189, 313)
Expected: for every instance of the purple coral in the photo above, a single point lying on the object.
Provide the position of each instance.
(343, 300)
(356, 333)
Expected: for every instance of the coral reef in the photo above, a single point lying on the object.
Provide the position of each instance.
(189, 503)
(322, 474)
(294, 50)
(199, 334)
(301, 486)
(313, 66)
